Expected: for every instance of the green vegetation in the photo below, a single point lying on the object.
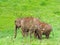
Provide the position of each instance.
(46, 10)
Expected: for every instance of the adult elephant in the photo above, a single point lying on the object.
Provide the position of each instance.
(27, 24)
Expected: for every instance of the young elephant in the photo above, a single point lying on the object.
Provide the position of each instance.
(26, 24)
(43, 29)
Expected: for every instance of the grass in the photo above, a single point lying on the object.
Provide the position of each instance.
(46, 10)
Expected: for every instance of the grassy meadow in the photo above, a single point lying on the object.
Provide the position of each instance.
(47, 11)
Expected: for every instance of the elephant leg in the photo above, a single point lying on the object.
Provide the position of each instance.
(31, 32)
(24, 32)
(27, 32)
(35, 34)
(47, 35)
(40, 34)
(15, 32)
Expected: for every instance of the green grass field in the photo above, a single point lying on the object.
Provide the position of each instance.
(47, 11)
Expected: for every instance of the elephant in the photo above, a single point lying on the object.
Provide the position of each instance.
(26, 24)
(43, 29)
